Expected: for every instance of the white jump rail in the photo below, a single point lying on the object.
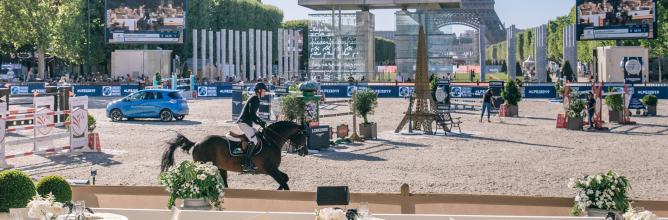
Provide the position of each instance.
(42, 115)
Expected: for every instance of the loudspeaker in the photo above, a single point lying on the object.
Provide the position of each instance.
(332, 195)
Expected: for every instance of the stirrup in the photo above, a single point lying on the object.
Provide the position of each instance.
(238, 151)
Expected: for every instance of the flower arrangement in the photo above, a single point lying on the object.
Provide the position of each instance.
(193, 180)
(330, 214)
(575, 105)
(602, 191)
(44, 207)
(637, 214)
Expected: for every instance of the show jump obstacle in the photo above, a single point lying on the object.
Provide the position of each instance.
(43, 134)
(423, 113)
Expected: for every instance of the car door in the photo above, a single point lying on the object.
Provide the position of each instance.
(153, 104)
(144, 107)
(132, 107)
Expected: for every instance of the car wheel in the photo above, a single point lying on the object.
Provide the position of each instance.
(165, 115)
(116, 115)
(179, 117)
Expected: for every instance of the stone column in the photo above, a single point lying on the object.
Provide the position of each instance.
(279, 41)
(366, 43)
(270, 54)
(223, 52)
(258, 54)
(570, 48)
(203, 51)
(218, 60)
(264, 55)
(244, 76)
(481, 51)
(211, 58)
(251, 53)
(230, 53)
(288, 53)
(541, 53)
(511, 60)
(194, 68)
(295, 52)
(237, 57)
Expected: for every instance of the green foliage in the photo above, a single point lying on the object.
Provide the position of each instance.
(292, 107)
(92, 123)
(385, 52)
(16, 190)
(365, 103)
(614, 102)
(55, 185)
(650, 100)
(511, 93)
(575, 105)
(567, 71)
(158, 78)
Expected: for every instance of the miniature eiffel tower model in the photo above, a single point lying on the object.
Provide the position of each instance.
(422, 114)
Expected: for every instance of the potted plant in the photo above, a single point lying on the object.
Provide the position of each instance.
(55, 185)
(93, 137)
(198, 184)
(575, 108)
(16, 189)
(511, 96)
(600, 194)
(45, 207)
(615, 105)
(365, 101)
(292, 107)
(650, 101)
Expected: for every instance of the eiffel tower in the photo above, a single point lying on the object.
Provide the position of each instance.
(422, 115)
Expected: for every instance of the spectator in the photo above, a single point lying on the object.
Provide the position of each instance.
(487, 104)
(591, 109)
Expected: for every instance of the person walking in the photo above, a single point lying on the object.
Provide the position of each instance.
(591, 109)
(487, 104)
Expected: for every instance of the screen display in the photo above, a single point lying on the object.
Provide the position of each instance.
(616, 19)
(145, 21)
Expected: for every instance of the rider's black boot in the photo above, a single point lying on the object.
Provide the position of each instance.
(248, 165)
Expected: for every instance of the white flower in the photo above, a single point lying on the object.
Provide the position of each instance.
(590, 192)
(201, 177)
(571, 183)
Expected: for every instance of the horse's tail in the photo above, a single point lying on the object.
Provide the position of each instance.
(168, 156)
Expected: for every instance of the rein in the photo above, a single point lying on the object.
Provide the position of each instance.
(283, 138)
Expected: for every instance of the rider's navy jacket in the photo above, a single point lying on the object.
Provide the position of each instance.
(249, 113)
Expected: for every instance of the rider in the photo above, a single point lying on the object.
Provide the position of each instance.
(245, 123)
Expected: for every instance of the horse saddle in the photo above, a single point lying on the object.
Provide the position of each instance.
(235, 140)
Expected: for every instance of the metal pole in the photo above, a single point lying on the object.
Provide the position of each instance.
(88, 37)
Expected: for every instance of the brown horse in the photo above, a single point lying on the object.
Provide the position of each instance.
(216, 149)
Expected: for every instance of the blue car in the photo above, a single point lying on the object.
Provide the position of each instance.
(151, 103)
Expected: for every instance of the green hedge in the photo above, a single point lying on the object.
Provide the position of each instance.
(16, 190)
(55, 185)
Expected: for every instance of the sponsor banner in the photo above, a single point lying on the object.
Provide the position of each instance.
(87, 90)
(111, 91)
(129, 89)
(207, 91)
(539, 92)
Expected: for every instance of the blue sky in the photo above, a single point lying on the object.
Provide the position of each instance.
(522, 13)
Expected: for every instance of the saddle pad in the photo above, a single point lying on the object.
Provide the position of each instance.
(235, 144)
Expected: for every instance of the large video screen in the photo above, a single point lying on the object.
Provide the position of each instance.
(616, 19)
(145, 21)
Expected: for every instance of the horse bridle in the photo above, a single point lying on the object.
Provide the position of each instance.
(300, 132)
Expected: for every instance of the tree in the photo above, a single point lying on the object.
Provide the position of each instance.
(32, 22)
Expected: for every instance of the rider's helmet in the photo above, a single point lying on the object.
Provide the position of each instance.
(259, 86)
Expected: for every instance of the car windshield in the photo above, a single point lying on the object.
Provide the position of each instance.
(175, 95)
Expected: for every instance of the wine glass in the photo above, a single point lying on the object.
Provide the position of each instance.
(79, 209)
(363, 210)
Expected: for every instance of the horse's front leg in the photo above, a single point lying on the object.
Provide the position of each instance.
(279, 178)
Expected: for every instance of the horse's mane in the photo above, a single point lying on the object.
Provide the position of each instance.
(283, 124)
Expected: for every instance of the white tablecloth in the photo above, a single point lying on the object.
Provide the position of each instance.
(101, 216)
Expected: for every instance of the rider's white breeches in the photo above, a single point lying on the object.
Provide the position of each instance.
(249, 131)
